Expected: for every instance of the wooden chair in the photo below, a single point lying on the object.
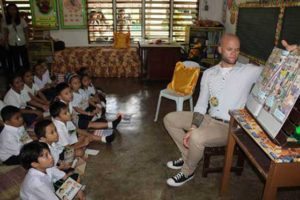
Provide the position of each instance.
(220, 151)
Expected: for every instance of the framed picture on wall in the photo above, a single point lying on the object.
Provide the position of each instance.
(72, 14)
(44, 14)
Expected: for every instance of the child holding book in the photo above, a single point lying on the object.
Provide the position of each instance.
(65, 95)
(46, 132)
(16, 97)
(13, 135)
(38, 183)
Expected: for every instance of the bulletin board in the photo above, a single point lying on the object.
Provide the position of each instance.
(72, 14)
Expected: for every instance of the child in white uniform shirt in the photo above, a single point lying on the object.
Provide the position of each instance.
(65, 95)
(46, 132)
(97, 93)
(81, 107)
(43, 81)
(67, 136)
(33, 91)
(16, 97)
(89, 92)
(38, 183)
(13, 136)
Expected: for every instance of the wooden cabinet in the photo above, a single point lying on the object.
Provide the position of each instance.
(202, 43)
(159, 60)
(40, 49)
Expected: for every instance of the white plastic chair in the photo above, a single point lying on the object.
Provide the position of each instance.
(179, 99)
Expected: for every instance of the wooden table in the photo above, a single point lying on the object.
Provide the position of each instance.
(279, 167)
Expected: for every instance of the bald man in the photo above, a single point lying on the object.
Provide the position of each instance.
(224, 87)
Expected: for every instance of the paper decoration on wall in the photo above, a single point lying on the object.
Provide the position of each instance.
(72, 14)
(44, 13)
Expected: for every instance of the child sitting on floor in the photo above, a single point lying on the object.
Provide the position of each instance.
(43, 81)
(88, 94)
(38, 183)
(97, 93)
(65, 95)
(30, 92)
(16, 97)
(86, 113)
(46, 132)
(66, 130)
(33, 90)
(13, 136)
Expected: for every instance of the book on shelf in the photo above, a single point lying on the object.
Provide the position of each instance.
(276, 91)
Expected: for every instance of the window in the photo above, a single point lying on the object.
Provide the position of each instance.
(146, 19)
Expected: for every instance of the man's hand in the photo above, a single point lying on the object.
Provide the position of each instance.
(289, 47)
(186, 139)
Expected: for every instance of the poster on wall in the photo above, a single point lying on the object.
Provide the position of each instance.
(72, 14)
(44, 13)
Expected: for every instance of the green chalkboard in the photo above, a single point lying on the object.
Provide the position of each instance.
(256, 28)
(291, 25)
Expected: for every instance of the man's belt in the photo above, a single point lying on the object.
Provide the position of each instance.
(221, 120)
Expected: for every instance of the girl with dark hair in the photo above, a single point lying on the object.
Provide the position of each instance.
(15, 32)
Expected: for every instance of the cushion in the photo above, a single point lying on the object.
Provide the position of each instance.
(184, 79)
(121, 40)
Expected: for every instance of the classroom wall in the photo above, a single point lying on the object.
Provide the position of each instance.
(72, 37)
(79, 37)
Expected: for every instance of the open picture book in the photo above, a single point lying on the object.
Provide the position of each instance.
(276, 90)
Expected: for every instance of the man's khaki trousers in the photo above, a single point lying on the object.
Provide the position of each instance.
(209, 134)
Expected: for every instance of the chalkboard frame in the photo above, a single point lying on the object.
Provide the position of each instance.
(280, 18)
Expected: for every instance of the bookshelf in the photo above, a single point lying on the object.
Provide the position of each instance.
(202, 43)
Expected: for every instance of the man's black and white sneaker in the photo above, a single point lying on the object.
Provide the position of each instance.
(175, 164)
(179, 179)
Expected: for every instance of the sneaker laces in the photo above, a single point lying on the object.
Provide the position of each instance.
(178, 176)
(176, 162)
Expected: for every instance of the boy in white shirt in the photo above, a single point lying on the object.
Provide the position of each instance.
(67, 134)
(16, 97)
(33, 93)
(38, 183)
(46, 132)
(13, 136)
(65, 95)
(43, 81)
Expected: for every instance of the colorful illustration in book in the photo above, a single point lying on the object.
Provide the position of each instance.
(274, 151)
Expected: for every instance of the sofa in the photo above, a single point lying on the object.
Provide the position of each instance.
(102, 61)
